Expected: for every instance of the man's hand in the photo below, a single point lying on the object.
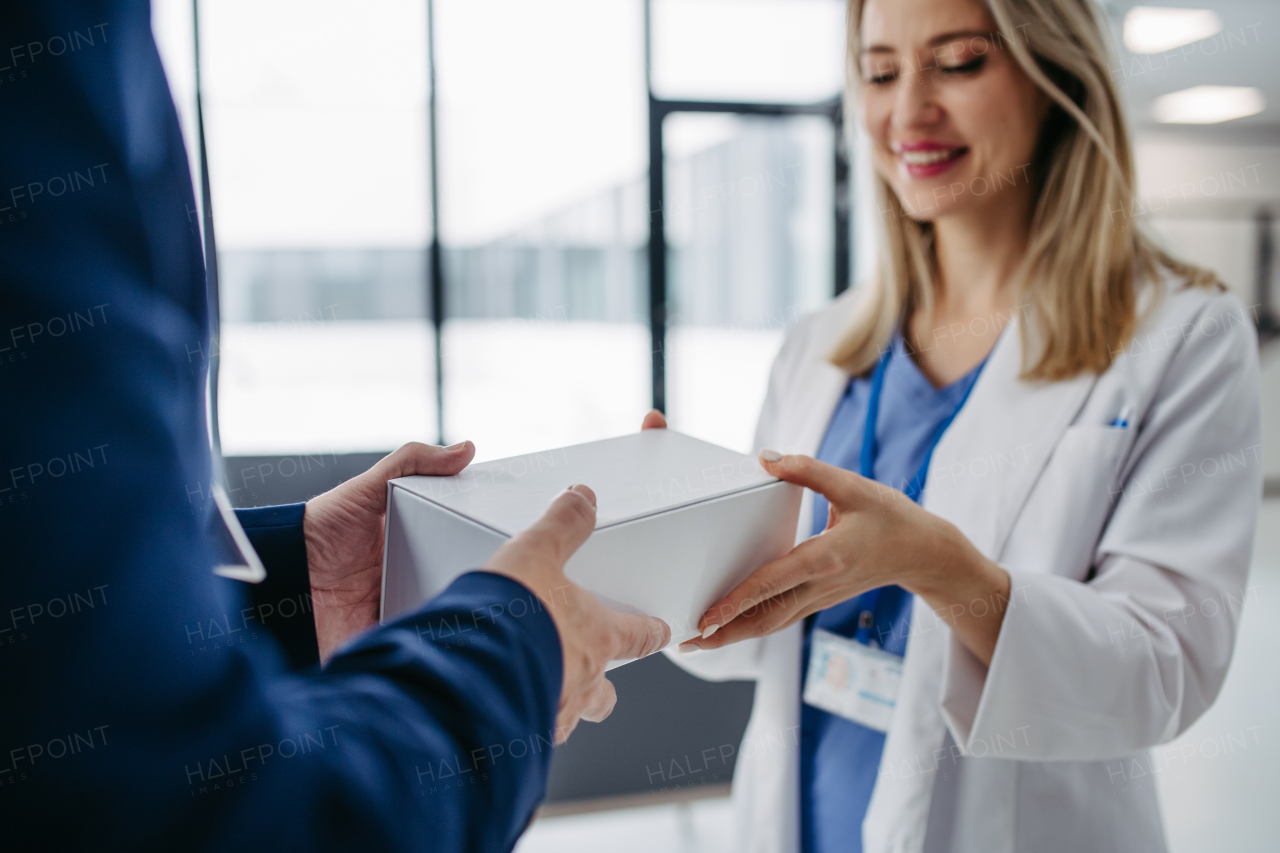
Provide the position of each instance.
(343, 530)
(590, 634)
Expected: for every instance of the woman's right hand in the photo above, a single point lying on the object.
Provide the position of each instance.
(875, 536)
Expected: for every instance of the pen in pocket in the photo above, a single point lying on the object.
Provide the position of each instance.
(1122, 419)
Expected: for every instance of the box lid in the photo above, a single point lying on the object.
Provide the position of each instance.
(633, 476)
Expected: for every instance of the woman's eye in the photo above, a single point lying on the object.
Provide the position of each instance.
(880, 75)
(966, 68)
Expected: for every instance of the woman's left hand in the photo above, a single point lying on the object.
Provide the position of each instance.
(876, 536)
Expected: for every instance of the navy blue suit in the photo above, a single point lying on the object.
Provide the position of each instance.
(144, 704)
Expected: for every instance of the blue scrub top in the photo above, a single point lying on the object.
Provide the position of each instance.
(839, 759)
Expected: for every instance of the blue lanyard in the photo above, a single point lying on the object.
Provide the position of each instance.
(867, 465)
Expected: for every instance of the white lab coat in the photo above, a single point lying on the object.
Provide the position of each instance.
(1128, 551)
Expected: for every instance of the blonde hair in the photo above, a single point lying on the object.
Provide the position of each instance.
(1085, 257)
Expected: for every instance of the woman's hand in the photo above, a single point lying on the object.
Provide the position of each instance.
(653, 420)
(875, 536)
(343, 531)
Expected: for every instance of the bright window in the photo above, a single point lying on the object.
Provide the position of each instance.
(316, 123)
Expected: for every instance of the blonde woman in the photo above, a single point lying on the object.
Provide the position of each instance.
(1025, 545)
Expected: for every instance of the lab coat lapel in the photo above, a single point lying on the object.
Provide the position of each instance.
(979, 478)
(822, 385)
(798, 425)
(987, 463)
(828, 388)
(817, 393)
(825, 386)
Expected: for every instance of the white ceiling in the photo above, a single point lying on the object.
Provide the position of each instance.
(1221, 60)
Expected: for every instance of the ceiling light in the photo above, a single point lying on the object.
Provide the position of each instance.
(1154, 29)
(1208, 104)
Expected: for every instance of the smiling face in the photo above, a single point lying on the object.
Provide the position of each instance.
(952, 117)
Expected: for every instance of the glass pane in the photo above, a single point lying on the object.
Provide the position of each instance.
(750, 228)
(316, 123)
(542, 214)
(748, 50)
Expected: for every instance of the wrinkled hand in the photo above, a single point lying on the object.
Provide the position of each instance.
(590, 634)
(875, 536)
(343, 529)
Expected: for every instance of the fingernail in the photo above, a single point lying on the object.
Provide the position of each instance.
(458, 446)
(685, 648)
(709, 630)
(770, 455)
(585, 492)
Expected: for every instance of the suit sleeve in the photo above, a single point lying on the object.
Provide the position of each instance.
(143, 695)
(1133, 657)
(275, 532)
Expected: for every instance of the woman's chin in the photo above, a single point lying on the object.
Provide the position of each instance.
(930, 201)
(927, 200)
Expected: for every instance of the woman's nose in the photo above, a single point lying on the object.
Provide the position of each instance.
(915, 106)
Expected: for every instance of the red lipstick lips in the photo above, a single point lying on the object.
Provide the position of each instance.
(927, 159)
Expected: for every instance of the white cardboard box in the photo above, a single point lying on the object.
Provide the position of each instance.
(679, 523)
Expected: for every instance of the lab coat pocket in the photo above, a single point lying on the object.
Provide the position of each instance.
(1074, 495)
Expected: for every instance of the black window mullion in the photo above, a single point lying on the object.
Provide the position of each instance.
(435, 262)
(659, 109)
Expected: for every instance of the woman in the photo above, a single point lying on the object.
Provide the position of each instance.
(1078, 415)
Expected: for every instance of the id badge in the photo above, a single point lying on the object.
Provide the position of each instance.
(852, 680)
